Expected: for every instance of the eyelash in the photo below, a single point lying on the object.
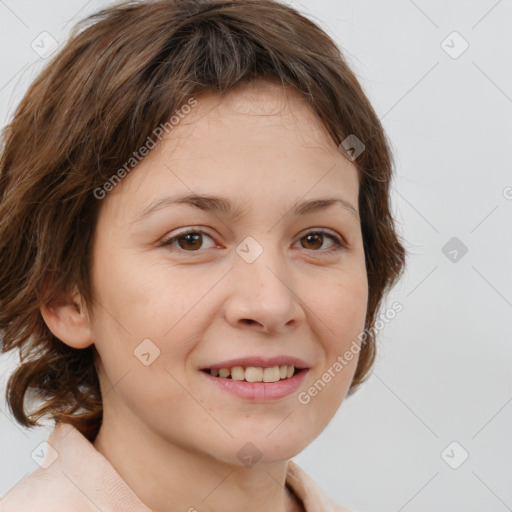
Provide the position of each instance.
(339, 243)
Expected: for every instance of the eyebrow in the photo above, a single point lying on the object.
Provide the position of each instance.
(225, 206)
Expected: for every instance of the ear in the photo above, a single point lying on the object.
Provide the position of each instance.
(67, 318)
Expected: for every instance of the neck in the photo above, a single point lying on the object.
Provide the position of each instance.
(167, 477)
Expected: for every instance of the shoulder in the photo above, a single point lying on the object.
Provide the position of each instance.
(73, 476)
(315, 499)
(54, 484)
(40, 490)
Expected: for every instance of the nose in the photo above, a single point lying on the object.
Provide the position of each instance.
(261, 294)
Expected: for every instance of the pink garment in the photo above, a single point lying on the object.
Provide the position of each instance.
(81, 479)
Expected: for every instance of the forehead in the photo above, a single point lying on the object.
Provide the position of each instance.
(260, 139)
(253, 113)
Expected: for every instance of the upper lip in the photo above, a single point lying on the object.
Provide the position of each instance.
(259, 362)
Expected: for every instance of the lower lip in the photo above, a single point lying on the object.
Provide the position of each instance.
(259, 391)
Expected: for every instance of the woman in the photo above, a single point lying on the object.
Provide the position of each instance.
(195, 242)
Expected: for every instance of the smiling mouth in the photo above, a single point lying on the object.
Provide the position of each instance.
(254, 373)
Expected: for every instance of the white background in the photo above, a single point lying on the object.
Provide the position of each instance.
(443, 370)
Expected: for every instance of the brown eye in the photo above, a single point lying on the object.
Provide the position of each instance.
(190, 241)
(315, 239)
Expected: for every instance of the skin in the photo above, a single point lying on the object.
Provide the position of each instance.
(171, 434)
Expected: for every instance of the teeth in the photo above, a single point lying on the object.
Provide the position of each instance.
(224, 372)
(255, 374)
(271, 374)
(237, 373)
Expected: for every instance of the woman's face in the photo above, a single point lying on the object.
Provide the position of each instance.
(255, 282)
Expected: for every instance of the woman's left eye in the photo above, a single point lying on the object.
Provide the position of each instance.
(191, 241)
(339, 244)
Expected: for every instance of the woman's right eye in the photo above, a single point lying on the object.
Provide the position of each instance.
(189, 241)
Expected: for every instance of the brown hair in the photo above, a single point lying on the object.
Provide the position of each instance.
(124, 71)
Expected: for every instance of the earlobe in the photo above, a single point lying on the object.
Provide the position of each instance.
(67, 318)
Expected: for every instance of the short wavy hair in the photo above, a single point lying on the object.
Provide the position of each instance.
(124, 71)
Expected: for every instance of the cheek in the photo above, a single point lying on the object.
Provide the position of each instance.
(343, 305)
(144, 297)
(145, 314)
(340, 311)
